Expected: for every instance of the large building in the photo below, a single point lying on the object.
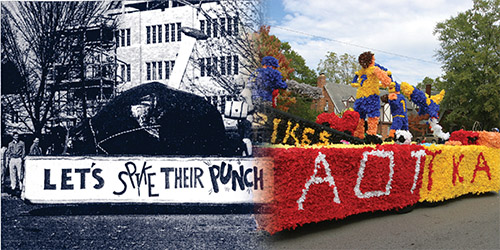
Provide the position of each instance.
(150, 43)
(142, 41)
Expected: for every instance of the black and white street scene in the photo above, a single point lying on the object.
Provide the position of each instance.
(128, 125)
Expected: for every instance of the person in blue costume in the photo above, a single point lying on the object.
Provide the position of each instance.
(398, 105)
(429, 105)
(267, 79)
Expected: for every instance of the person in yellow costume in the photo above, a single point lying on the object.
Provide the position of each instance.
(368, 81)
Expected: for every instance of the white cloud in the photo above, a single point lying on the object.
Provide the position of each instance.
(402, 27)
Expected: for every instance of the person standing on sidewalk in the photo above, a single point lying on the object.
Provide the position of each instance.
(4, 165)
(15, 157)
(35, 148)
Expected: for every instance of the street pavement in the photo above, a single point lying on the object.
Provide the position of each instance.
(128, 227)
(469, 222)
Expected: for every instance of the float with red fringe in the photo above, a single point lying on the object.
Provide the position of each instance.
(313, 184)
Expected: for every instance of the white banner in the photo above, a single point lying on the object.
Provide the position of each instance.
(147, 180)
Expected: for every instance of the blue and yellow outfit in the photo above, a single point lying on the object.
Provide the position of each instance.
(428, 105)
(399, 113)
(367, 102)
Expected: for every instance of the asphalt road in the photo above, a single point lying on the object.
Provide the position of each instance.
(469, 222)
(128, 227)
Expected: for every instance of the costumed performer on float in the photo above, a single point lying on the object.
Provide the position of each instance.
(267, 79)
(399, 112)
(399, 130)
(261, 89)
(428, 105)
(367, 103)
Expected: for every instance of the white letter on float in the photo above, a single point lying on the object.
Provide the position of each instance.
(377, 193)
(418, 154)
(319, 180)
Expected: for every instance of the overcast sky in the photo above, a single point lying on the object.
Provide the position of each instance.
(399, 32)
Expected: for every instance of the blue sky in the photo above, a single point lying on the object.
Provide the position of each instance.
(399, 32)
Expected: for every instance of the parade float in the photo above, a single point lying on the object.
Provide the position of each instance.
(305, 172)
(322, 172)
(150, 145)
(319, 183)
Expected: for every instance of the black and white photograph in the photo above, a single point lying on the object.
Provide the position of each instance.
(128, 125)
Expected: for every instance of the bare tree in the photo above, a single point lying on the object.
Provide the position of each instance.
(35, 39)
(230, 27)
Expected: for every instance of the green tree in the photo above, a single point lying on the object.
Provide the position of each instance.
(302, 108)
(470, 52)
(338, 68)
(302, 73)
(270, 45)
(435, 84)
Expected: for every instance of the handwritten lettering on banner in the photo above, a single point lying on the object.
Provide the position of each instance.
(317, 184)
(452, 171)
(146, 179)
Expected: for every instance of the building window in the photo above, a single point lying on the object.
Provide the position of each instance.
(128, 72)
(214, 22)
(148, 71)
(122, 72)
(172, 32)
(128, 37)
(228, 65)
(223, 27)
(235, 25)
(229, 27)
(159, 33)
(169, 66)
(167, 33)
(215, 69)
(117, 38)
(209, 28)
(235, 68)
(154, 70)
(160, 70)
(222, 65)
(125, 72)
(148, 34)
(202, 26)
(209, 66)
(154, 33)
(167, 70)
(179, 33)
(202, 66)
(122, 36)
